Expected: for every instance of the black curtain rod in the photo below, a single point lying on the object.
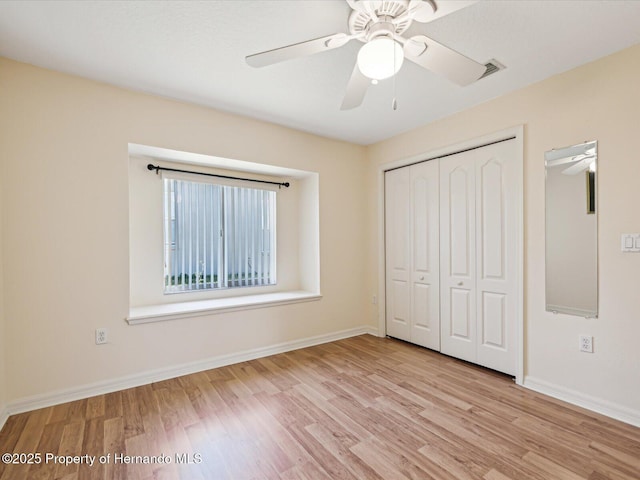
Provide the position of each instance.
(157, 168)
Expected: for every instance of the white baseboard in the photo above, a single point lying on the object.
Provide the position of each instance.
(4, 415)
(99, 388)
(599, 405)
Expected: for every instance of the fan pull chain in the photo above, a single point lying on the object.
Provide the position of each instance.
(394, 103)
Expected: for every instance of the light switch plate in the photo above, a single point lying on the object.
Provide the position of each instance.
(630, 242)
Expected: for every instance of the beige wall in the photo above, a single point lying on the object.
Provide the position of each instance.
(599, 101)
(63, 145)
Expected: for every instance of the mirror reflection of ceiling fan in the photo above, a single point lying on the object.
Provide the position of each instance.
(379, 24)
(579, 163)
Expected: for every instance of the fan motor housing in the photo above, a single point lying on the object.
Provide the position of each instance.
(381, 28)
(363, 22)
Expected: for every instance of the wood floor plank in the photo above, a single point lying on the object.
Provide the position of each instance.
(133, 425)
(28, 441)
(622, 439)
(113, 405)
(205, 447)
(465, 434)
(572, 451)
(49, 443)
(554, 470)
(496, 475)
(278, 434)
(615, 460)
(70, 445)
(308, 471)
(138, 446)
(334, 412)
(601, 470)
(376, 455)
(114, 442)
(340, 447)
(155, 434)
(359, 408)
(95, 407)
(620, 456)
(279, 377)
(93, 445)
(251, 379)
(11, 432)
(329, 463)
(271, 455)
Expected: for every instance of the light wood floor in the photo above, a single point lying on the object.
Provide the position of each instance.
(365, 407)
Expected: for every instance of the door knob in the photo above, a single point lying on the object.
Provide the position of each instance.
(421, 277)
(460, 284)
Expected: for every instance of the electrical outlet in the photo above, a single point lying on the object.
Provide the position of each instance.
(586, 343)
(101, 336)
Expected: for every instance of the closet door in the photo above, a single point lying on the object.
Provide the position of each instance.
(497, 224)
(458, 256)
(398, 252)
(479, 225)
(425, 239)
(412, 255)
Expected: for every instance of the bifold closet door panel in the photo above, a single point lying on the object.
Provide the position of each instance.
(398, 253)
(497, 200)
(479, 221)
(425, 250)
(412, 254)
(458, 256)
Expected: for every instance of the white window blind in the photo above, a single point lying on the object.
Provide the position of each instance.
(217, 236)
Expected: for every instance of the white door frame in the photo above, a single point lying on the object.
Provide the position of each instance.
(518, 134)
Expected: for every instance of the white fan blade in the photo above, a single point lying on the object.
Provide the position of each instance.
(296, 50)
(558, 162)
(425, 13)
(563, 161)
(356, 5)
(442, 60)
(364, 6)
(372, 6)
(580, 166)
(421, 10)
(570, 152)
(356, 89)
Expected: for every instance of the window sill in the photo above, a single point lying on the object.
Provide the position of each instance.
(173, 311)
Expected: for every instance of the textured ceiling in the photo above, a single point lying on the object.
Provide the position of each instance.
(194, 51)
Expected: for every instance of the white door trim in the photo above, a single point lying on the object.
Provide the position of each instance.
(518, 133)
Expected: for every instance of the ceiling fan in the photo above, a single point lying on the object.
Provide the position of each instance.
(379, 24)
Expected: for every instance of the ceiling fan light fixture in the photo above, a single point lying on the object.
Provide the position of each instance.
(380, 58)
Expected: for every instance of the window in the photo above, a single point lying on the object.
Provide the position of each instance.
(217, 236)
(288, 220)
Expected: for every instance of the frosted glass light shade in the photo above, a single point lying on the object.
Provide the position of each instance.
(380, 58)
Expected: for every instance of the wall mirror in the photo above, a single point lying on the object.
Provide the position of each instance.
(571, 241)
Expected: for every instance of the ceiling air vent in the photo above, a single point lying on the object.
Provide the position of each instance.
(492, 66)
